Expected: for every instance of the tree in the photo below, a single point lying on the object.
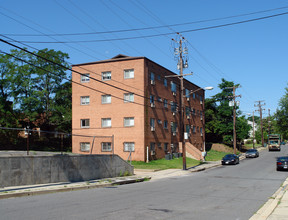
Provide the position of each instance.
(219, 117)
(281, 115)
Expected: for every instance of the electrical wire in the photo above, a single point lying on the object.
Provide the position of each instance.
(158, 35)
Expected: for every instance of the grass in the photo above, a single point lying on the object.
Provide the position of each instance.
(214, 155)
(163, 164)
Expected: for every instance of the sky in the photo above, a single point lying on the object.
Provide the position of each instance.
(241, 41)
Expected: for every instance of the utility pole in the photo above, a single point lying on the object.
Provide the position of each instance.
(259, 105)
(234, 114)
(181, 65)
(269, 121)
(253, 132)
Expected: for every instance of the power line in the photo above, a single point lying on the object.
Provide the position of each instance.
(158, 35)
(146, 28)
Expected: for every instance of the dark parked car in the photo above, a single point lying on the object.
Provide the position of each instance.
(282, 163)
(252, 153)
(230, 159)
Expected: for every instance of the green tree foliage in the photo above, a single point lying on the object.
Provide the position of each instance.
(35, 89)
(219, 117)
(281, 115)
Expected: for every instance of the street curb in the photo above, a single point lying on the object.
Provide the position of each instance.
(73, 188)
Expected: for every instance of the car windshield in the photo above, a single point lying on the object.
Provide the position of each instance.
(283, 159)
(251, 151)
(273, 142)
(228, 156)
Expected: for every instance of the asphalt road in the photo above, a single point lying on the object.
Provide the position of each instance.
(226, 192)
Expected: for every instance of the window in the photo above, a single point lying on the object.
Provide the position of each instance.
(194, 129)
(152, 100)
(152, 76)
(165, 83)
(85, 100)
(85, 78)
(106, 76)
(194, 95)
(173, 87)
(152, 146)
(159, 145)
(85, 123)
(188, 128)
(129, 74)
(129, 122)
(152, 124)
(187, 93)
(166, 147)
(129, 146)
(187, 111)
(159, 77)
(201, 98)
(173, 106)
(165, 103)
(106, 122)
(201, 131)
(84, 146)
(106, 99)
(165, 125)
(106, 146)
(128, 97)
(159, 99)
(159, 121)
(174, 127)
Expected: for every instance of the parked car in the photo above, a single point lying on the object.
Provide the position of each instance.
(252, 153)
(230, 159)
(282, 163)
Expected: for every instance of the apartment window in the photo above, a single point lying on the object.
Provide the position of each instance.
(194, 95)
(173, 106)
(129, 146)
(201, 98)
(166, 147)
(187, 111)
(106, 76)
(152, 123)
(165, 83)
(129, 122)
(188, 127)
(106, 146)
(152, 100)
(85, 146)
(174, 127)
(159, 145)
(165, 125)
(85, 100)
(106, 122)
(165, 103)
(152, 146)
(152, 76)
(85, 123)
(129, 74)
(187, 93)
(173, 87)
(106, 99)
(85, 78)
(128, 97)
(159, 77)
(194, 129)
(201, 131)
(159, 121)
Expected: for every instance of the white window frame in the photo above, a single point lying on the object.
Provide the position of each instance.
(129, 146)
(85, 100)
(128, 97)
(84, 146)
(85, 78)
(106, 75)
(85, 123)
(129, 122)
(107, 145)
(129, 74)
(106, 122)
(106, 99)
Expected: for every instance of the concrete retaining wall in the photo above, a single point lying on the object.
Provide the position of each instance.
(30, 170)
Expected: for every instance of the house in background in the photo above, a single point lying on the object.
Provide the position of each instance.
(127, 106)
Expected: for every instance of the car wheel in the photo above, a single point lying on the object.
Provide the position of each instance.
(277, 169)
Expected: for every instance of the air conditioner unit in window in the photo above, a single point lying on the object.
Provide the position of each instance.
(201, 134)
(152, 105)
(188, 116)
(152, 82)
(201, 102)
(174, 133)
(152, 152)
(152, 128)
(201, 118)
(173, 113)
(174, 93)
(188, 99)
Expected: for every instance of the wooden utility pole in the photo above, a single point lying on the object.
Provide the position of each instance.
(259, 105)
(253, 132)
(234, 114)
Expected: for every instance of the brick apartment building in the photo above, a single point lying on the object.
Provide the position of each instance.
(126, 104)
